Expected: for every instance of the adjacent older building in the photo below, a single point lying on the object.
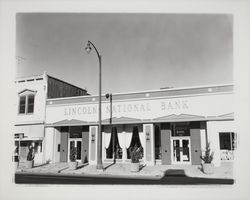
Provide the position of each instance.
(31, 95)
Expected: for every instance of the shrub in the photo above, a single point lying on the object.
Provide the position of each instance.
(31, 154)
(208, 157)
(72, 156)
(135, 153)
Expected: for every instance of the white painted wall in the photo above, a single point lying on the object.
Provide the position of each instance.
(213, 129)
(57, 140)
(38, 156)
(49, 144)
(213, 139)
(40, 86)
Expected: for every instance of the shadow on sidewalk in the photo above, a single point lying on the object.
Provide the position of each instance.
(179, 177)
(108, 166)
(82, 165)
(43, 164)
(141, 167)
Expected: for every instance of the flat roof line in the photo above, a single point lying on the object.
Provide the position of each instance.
(28, 77)
(145, 91)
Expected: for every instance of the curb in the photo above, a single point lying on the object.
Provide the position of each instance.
(151, 177)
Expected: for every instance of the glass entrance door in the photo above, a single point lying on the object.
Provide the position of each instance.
(181, 150)
(77, 143)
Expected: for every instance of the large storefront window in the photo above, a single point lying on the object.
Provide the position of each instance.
(135, 142)
(22, 151)
(227, 145)
(114, 149)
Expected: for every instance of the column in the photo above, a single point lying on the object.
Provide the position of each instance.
(149, 153)
(57, 141)
(49, 143)
(93, 145)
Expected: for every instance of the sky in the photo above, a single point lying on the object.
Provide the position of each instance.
(139, 51)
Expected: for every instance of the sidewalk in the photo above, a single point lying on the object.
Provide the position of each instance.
(225, 171)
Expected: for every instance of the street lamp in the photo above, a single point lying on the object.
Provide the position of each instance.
(109, 96)
(99, 165)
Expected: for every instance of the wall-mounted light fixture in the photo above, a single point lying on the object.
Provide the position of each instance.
(147, 136)
(92, 137)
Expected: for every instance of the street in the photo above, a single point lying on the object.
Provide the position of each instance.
(25, 178)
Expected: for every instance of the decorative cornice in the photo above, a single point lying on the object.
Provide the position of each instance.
(180, 116)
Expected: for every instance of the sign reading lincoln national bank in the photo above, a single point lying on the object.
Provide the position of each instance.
(124, 108)
(140, 109)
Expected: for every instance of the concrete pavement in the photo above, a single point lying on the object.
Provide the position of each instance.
(225, 171)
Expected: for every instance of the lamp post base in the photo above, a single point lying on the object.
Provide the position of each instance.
(99, 167)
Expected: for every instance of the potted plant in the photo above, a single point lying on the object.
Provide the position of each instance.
(30, 158)
(207, 165)
(73, 163)
(135, 153)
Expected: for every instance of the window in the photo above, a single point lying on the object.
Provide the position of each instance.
(180, 129)
(26, 103)
(22, 104)
(31, 103)
(227, 141)
(114, 148)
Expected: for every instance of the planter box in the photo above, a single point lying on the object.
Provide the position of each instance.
(208, 168)
(29, 164)
(135, 167)
(73, 165)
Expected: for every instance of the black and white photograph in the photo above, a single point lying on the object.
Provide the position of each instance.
(166, 114)
(125, 99)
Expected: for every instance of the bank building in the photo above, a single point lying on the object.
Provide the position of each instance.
(171, 125)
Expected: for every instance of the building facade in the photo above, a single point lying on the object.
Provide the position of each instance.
(171, 126)
(31, 95)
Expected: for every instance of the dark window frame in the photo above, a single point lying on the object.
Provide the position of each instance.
(180, 129)
(228, 141)
(29, 104)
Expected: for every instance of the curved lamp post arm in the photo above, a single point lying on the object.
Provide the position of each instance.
(88, 48)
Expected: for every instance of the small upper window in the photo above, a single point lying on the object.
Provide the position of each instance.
(26, 102)
(22, 104)
(31, 103)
